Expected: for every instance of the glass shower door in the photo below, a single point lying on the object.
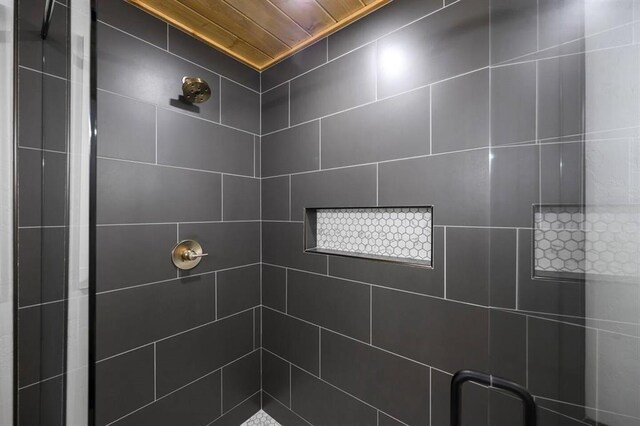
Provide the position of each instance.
(569, 331)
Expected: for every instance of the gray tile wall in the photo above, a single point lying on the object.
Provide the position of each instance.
(175, 347)
(477, 108)
(478, 116)
(41, 214)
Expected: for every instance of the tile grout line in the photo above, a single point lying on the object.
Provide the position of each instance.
(517, 303)
(176, 111)
(444, 259)
(222, 392)
(332, 385)
(175, 335)
(156, 137)
(176, 55)
(215, 283)
(155, 372)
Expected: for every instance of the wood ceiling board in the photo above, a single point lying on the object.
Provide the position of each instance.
(341, 9)
(201, 28)
(238, 24)
(258, 33)
(271, 19)
(306, 13)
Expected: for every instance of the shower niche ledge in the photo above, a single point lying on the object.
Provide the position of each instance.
(389, 234)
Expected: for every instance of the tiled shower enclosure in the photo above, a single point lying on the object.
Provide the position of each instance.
(489, 121)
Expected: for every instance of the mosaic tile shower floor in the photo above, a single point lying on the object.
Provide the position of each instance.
(261, 419)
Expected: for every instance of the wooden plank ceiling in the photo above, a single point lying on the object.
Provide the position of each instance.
(259, 32)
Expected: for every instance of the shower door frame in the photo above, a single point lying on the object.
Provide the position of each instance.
(8, 218)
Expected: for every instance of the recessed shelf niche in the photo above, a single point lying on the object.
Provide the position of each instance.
(392, 234)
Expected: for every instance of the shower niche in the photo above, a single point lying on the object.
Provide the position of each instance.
(392, 234)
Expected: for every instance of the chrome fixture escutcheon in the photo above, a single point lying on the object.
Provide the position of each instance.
(187, 254)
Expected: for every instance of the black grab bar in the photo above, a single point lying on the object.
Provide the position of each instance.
(462, 376)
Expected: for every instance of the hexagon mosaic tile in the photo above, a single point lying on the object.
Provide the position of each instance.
(399, 233)
(261, 419)
(596, 240)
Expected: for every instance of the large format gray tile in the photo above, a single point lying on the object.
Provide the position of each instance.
(556, 359)
(240, 413)
(344, 83)
(114, 252)
(456, 185)
(239, 107)
(415, 327)
(124, 384)
(468, 264)
(292, 339)
(515, 185)
(514, 29)
(508, 346)
(280, 412)
(282, 245)
(292, 150)
(275, 377)
(228, 244)
(274, 287)
(391, 383)
(336, 304)
(125, 62)
(403, 277)
(561, 96)
(322, 404)
(303, 61)
(461, 112)
(348, 187)
(442, 45)
(41, 343)
(275, 109)
(42, 111)
(561, 173)
(198, 144)
(202, 54)
(127, 128)
(618, 375)
(41, 404)
(474, 402)
(140, 193)
(195, 404)
(238, 289)
(50, 55)
(41, 266)
(392, 16)
(564, 20)
(132, 20)
(385, 420)
(240, 380)
(385, 130)
(126, 319)
(42, 182)
(241, 198)
(513, 104)
(191, 355)
(275, 198)
(503, 256)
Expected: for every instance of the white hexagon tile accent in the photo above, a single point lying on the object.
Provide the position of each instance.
(261, 419)
(602, 241)
(400, 233)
